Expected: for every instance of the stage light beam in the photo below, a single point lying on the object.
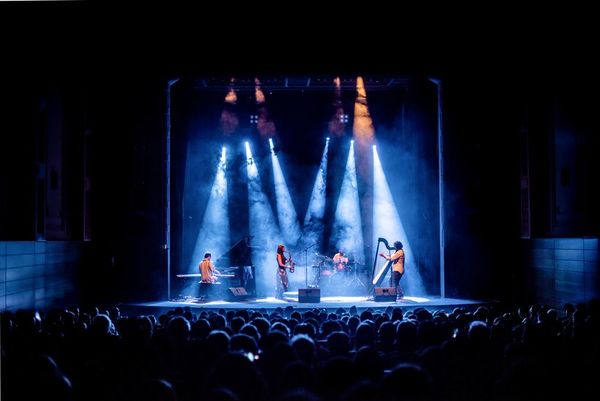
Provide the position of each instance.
(213, 235)
(362, 128)
(286, 212)
(387, 224)
(312, 232)
(263, 229)
(347, 227)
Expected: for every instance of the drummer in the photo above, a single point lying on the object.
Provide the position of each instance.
(340, 261)
(325, 265)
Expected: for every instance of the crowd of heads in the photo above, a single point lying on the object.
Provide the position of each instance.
(487, 353)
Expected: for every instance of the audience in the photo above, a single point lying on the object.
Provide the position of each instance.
(530, 352)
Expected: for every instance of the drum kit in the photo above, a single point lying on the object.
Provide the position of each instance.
(327, 273)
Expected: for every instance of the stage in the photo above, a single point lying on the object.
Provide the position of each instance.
(329, 303)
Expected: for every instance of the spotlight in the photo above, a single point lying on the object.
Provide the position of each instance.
(248, 151)
(214, 228)
(286, 213)
(327, 139)
(352, 142)
(271, 144)
(347, 226)
(387, 220)
(374, 147)
(313, 220)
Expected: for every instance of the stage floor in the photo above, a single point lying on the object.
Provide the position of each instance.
(330, 303)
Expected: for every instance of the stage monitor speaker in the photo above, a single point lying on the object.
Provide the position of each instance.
(385, 294)
(309, 295)
(237, 294)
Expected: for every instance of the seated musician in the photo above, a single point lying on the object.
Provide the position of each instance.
(207, 269)
(340, 261)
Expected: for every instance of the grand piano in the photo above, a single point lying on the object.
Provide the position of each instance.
(235, 270)
(237, 265)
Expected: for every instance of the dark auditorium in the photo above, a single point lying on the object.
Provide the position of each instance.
(293, 205)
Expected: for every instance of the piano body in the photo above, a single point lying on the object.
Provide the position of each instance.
(236, 267)
(235, 270)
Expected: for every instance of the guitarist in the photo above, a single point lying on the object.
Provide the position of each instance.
(281, 278)
(397, 260)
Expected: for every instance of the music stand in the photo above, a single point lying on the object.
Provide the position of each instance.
(306, 264)
(355, 278)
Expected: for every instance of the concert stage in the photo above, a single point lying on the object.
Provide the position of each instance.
(330, 304)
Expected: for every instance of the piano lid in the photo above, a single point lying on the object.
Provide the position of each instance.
(237, 255)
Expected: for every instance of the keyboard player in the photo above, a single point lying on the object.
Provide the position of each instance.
(208, 270)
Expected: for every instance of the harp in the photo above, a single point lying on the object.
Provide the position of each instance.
(377, 277)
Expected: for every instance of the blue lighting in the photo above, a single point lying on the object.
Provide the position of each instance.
(387, 224)
(214, 230)
(286, 212)
(263, 227)
(347, 227)
(313, 221)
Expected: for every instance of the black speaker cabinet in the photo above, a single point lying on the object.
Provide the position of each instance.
(385, 294)
(309, 295)
(237, 294)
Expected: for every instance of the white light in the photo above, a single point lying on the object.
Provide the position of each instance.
(347, 226)
(327, 138)
(248, 151)
(352, 142)
(286, 212)
(271, 143)
(388, 225)
(313, 220)
(214, 230)
(263, 226)
(223, 153)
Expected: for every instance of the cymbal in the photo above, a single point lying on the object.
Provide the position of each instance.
(322, 257)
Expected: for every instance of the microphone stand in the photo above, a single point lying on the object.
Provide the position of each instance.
(306, 264)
